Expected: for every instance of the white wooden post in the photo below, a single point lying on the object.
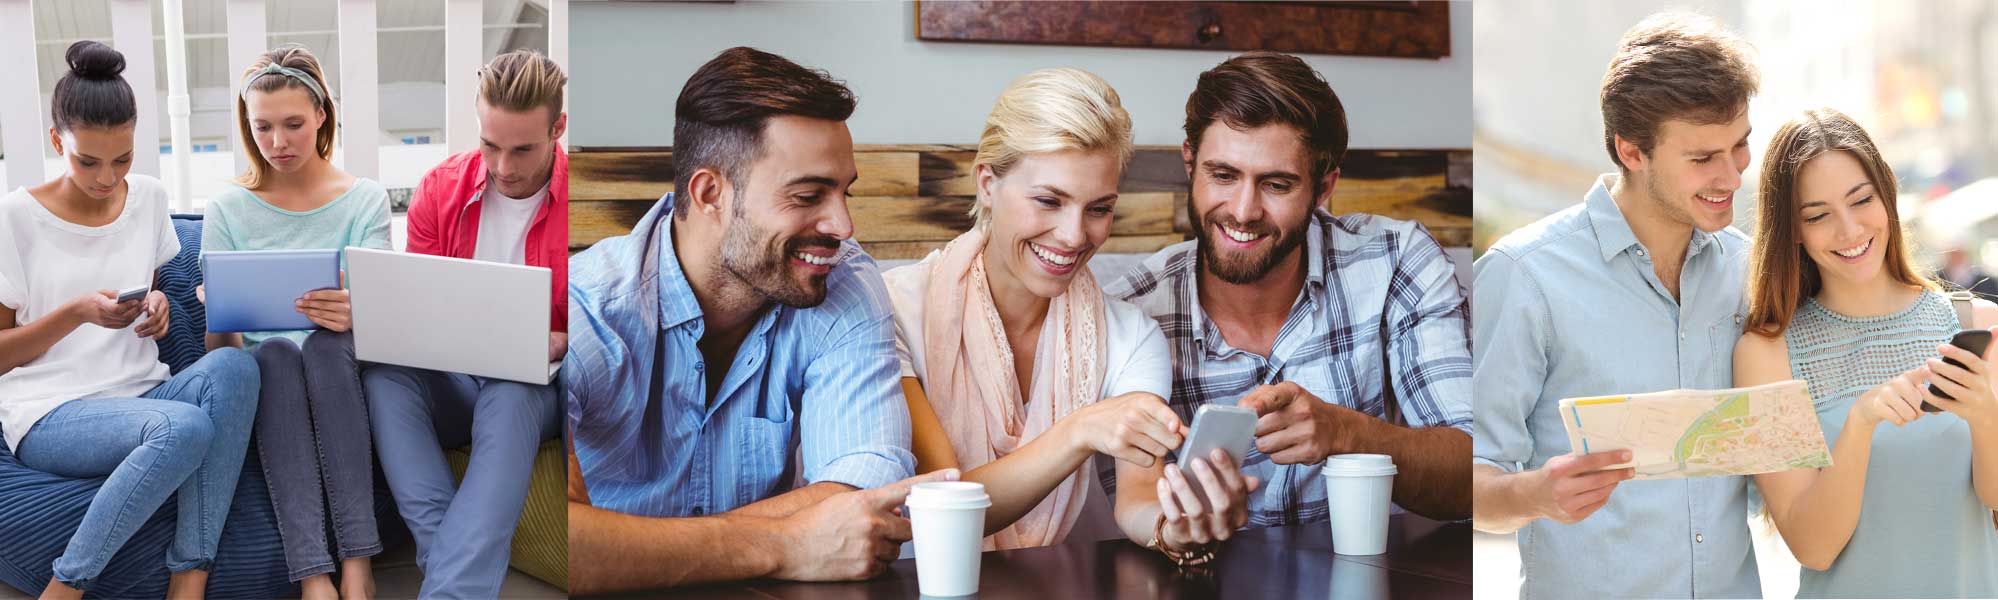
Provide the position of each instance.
(132, 35)
(178, 107)
(247, 40)
(360, 95)
(464, 45)
(558, 48)
(21, 101)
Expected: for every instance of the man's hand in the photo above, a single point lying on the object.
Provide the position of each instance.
(1295, 427)
(1571, 487)
(852, 535)
(1211, 514)
(558, 345)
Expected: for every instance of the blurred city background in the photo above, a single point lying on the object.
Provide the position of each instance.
(1922, 77)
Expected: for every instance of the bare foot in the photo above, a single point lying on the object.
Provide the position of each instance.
(187, 585)
(318, 587)
(57, 591)
(357, 579)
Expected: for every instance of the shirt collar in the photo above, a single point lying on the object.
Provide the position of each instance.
(1613, 233)
(677, 304)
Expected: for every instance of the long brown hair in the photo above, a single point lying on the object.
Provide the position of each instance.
(1782, 277)
(296, 57)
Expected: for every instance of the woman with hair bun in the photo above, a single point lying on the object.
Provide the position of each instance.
(82, 390)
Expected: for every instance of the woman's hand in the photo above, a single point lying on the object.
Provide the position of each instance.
(328, 309)
(103, 309)
(1194, 519)
(1897, 400)
(1971, 385)
(156, 321)
(1136, 428)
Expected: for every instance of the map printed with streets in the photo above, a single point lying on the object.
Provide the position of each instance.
(1702, 433)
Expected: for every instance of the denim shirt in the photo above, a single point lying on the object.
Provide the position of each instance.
(812, 394)
(1570, 306)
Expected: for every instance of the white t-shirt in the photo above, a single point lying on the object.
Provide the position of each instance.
(503, 224)
(44, 263)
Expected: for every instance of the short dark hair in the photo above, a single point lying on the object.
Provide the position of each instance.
(1259, 88)
(719, 119)
(92, 93)
(1673, 66)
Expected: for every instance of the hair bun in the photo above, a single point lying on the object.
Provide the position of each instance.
(91, 60)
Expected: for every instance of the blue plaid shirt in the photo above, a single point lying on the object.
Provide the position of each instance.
(812, 395)
(1379, 327)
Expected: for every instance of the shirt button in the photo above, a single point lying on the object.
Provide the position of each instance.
(698, 366)
(1699, 538)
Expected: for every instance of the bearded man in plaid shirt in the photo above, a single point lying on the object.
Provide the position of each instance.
(1346, 334)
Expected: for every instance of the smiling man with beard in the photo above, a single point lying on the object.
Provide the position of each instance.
(1346, 334)
(734, 404)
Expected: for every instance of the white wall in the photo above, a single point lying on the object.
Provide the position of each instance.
(630, 60)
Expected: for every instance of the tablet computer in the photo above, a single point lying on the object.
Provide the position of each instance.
(258, 290)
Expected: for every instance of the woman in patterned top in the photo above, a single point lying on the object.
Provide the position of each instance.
(1835, 299)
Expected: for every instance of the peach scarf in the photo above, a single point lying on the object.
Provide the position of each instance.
(971, 383)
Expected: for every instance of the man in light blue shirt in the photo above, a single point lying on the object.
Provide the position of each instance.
(1637, 289)
(733, 399)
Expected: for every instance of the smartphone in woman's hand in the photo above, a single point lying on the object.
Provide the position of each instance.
(1974, 340)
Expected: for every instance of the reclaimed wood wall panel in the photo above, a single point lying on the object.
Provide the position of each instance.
(911, 199)
(1407, 29)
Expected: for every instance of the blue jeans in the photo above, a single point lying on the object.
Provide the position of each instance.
(186, 436)
(312, 434)
(463, 533)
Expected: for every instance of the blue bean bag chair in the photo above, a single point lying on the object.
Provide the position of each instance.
(39, 511)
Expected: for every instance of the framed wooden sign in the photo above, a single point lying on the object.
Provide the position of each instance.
(1409, 29)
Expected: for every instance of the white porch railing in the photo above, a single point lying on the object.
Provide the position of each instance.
(23, 114)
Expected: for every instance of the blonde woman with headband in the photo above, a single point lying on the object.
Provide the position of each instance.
(312, 421)
(1016, 367)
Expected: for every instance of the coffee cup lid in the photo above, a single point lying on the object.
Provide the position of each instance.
(949, 494)
(1359, 465)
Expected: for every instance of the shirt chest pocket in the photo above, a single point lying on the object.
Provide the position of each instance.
(1722, 333)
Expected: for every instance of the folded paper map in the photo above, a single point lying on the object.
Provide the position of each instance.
(1702, 433)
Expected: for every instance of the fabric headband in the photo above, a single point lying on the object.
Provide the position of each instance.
(318, 96)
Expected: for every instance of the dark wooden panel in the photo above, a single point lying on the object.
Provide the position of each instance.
(1416, 29)
(913, 197)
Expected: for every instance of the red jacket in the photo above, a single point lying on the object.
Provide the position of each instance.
(444, 221)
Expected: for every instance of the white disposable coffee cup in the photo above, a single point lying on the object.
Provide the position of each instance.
(947, 519)
(1358, 490)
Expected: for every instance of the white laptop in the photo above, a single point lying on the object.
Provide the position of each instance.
(451, 314)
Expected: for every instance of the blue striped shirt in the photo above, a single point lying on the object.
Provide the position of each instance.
(1379, 327)
(1572, 306)
(812, 395)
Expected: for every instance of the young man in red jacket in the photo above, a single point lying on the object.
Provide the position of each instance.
(506, 202)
